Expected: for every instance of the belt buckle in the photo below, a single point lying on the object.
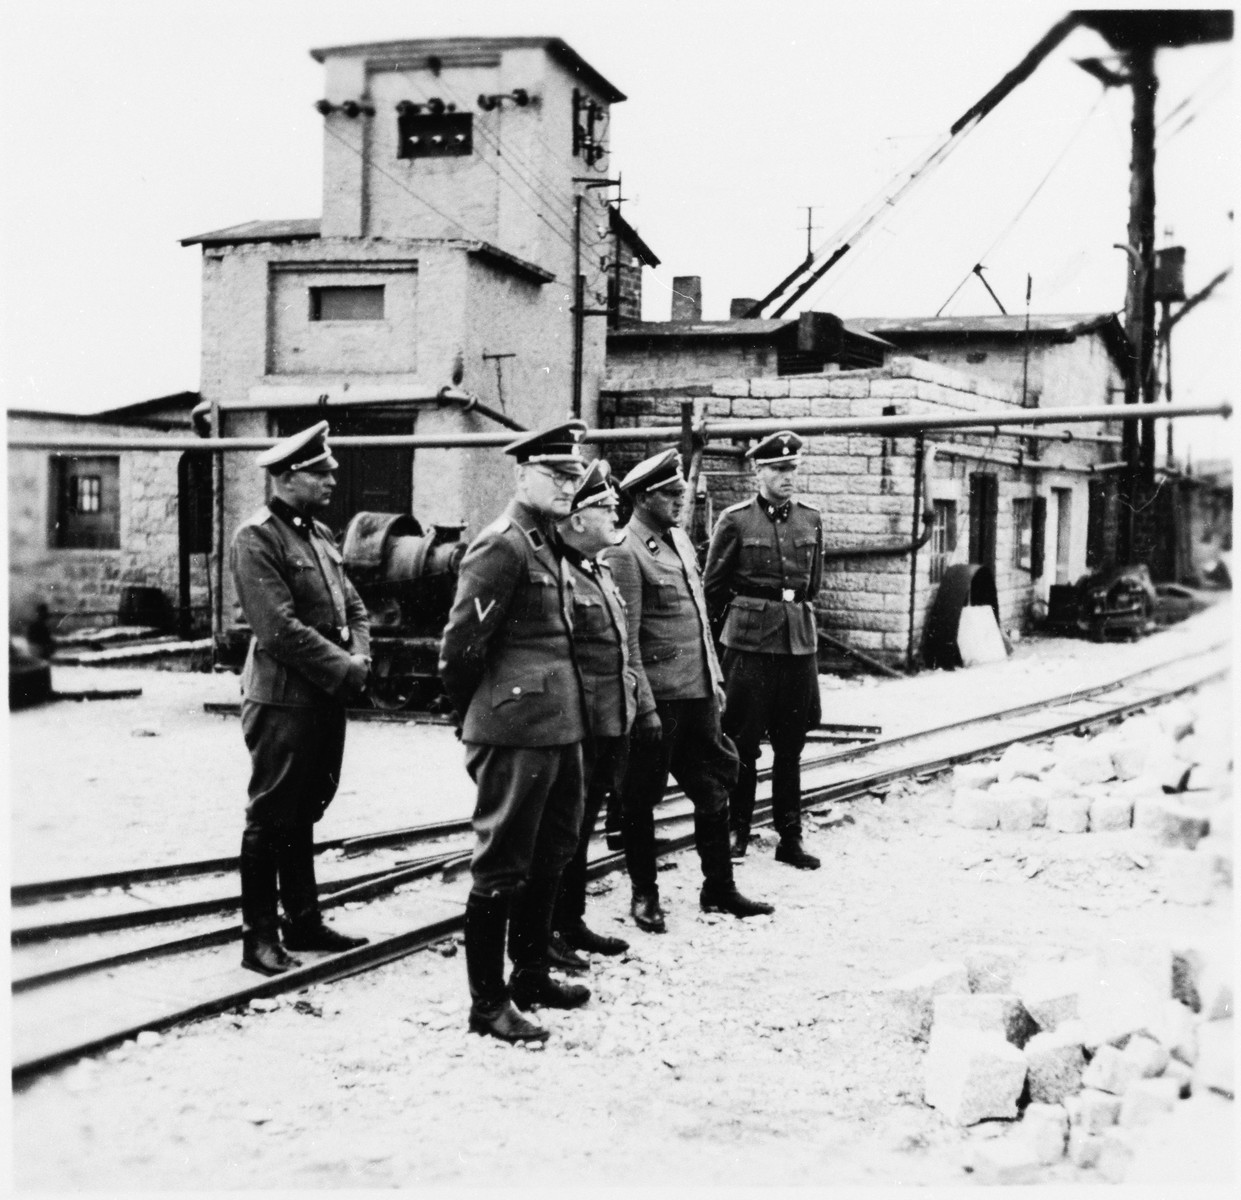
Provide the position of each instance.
(787, 594)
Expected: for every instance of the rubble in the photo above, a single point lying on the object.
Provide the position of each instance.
(1054, 1063)
(970, 1076)
(987, 1012)
(913, 995)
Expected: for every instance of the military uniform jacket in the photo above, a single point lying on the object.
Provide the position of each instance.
(601, 638)
(751, 551)
(662, 590)
(507, 657)
(291, 585)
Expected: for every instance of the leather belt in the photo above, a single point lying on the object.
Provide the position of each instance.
(789, 595)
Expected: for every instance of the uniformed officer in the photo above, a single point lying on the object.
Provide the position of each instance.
(764, 567)
(310, 655)
(602, 642)
(679, 696)
(507, 663)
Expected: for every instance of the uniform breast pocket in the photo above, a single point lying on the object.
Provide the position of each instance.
(804, 548)
(662, 598)
(757, 554)
(540, 597)
(590, 618)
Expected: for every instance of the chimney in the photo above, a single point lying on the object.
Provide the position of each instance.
(740, 306)
(687, 298)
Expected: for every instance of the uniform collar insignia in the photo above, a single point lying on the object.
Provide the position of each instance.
(777, 512)
(289, 515)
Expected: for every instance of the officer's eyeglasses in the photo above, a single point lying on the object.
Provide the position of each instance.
(563, 482)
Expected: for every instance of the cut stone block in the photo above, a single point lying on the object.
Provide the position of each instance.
(1019, 813)
(1185, 876)
(913, 995)
(1051, 992)
(991, 968)
(1176, 719)
(1057, 783)
(1023, 760)
(1069, 814)
(1148, 1099)
(975, 809)
(1192, 749)
(1108, 1072)
(1169, 822)
(1176, 1031)
(1146, 1055)
(971, 1077)
(1202, 976)
(1046, 1130)
(985, 1012)
(1087, 762)
(1110, 812)
(1092, 1110)
(1084, 1148)
(977, 775)
(1214, 1066)
(1054, 1066)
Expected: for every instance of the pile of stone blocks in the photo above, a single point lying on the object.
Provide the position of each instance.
(1082, 1054)
(1149, 773)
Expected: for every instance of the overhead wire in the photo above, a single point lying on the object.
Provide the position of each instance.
(982, 258)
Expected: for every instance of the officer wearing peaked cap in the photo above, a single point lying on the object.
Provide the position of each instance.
(677, 730)
(508, 664)
(604, 645)
(764, 568)
(309, 655)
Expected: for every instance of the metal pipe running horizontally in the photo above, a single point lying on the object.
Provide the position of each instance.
(265, 397)
(759, 427)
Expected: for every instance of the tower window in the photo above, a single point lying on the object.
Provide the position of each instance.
(434, 135)
(347, 303)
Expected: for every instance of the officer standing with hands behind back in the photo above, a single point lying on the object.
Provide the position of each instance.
(764, 568)
(309, 656)
(508, 666)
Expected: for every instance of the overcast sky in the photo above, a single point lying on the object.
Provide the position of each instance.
(130, 124)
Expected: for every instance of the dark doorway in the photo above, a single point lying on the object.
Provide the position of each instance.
(194, 511)
(370, 478)
(984, 512)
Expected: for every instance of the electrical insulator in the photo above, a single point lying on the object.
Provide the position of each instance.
(435, 106)
(324, 107)
(408, 107)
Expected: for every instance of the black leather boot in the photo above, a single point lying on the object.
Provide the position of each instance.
(740, 843)
(561, 956)
(647, 913)
(790, 850)
(260, 945)
(262, 952)
(491, 1011)
(582, 938)
(533, 987)
(310, 933)
(715, 898)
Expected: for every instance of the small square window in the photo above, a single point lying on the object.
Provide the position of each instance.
(86, 503)
(365, 303)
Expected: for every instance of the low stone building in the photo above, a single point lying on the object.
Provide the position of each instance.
(1036, 509)
(87, 529)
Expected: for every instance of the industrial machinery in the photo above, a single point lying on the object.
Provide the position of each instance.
(407, 579)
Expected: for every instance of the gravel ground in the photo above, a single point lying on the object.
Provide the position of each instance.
(725, 1053)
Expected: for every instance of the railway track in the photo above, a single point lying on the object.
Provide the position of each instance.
(97, 959)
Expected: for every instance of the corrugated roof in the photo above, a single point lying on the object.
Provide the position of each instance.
(448, 48)
(297, 229)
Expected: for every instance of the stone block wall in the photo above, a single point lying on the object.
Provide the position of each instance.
(83, 588)
(864, 484)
